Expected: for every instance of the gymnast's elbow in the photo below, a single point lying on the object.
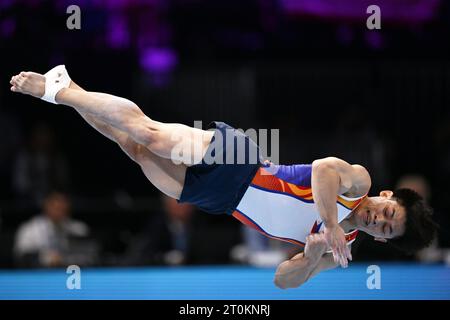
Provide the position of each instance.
(288, 281)
(280, 283)
(283, 283)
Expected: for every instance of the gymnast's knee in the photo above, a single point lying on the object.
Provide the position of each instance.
(145, 131)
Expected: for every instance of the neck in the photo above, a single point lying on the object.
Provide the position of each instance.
(350, 221)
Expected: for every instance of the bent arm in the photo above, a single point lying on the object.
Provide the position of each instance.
(298, 270)
(325, 263)
(332, 176)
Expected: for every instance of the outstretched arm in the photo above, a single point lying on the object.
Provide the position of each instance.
(331, 177)
(302, 267)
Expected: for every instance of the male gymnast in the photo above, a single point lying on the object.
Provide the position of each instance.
(319, 206)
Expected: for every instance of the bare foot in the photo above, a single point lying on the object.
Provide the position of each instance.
(29, 83)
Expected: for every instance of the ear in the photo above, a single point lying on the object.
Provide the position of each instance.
(386, 194)
(380, 240)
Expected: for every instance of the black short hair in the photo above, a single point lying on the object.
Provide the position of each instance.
(420, 229)
(53, 192)
(56, 191)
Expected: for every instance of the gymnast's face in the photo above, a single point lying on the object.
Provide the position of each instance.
(382, 217)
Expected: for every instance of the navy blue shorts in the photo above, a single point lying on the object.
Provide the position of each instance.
(218, 187)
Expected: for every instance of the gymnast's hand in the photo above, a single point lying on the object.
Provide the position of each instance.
(316, 246)
(335, 237)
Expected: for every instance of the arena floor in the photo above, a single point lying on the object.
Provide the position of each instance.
(398, 281)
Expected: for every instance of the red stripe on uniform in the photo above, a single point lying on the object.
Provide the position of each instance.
(252, 225)
(351, 236)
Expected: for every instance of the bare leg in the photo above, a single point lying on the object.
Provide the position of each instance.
(128, 145)
(178, 142)
(162, 173)
(160, 138)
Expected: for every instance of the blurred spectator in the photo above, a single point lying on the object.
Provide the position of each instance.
(40, 167)
(166, 239)
(9, 127)
(53, 239)
(419, 184)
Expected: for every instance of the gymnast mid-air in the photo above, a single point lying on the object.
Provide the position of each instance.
(319, 206)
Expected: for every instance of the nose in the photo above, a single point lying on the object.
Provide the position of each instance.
(377, 219)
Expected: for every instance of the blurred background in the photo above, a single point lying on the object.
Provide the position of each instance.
(311, 68)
